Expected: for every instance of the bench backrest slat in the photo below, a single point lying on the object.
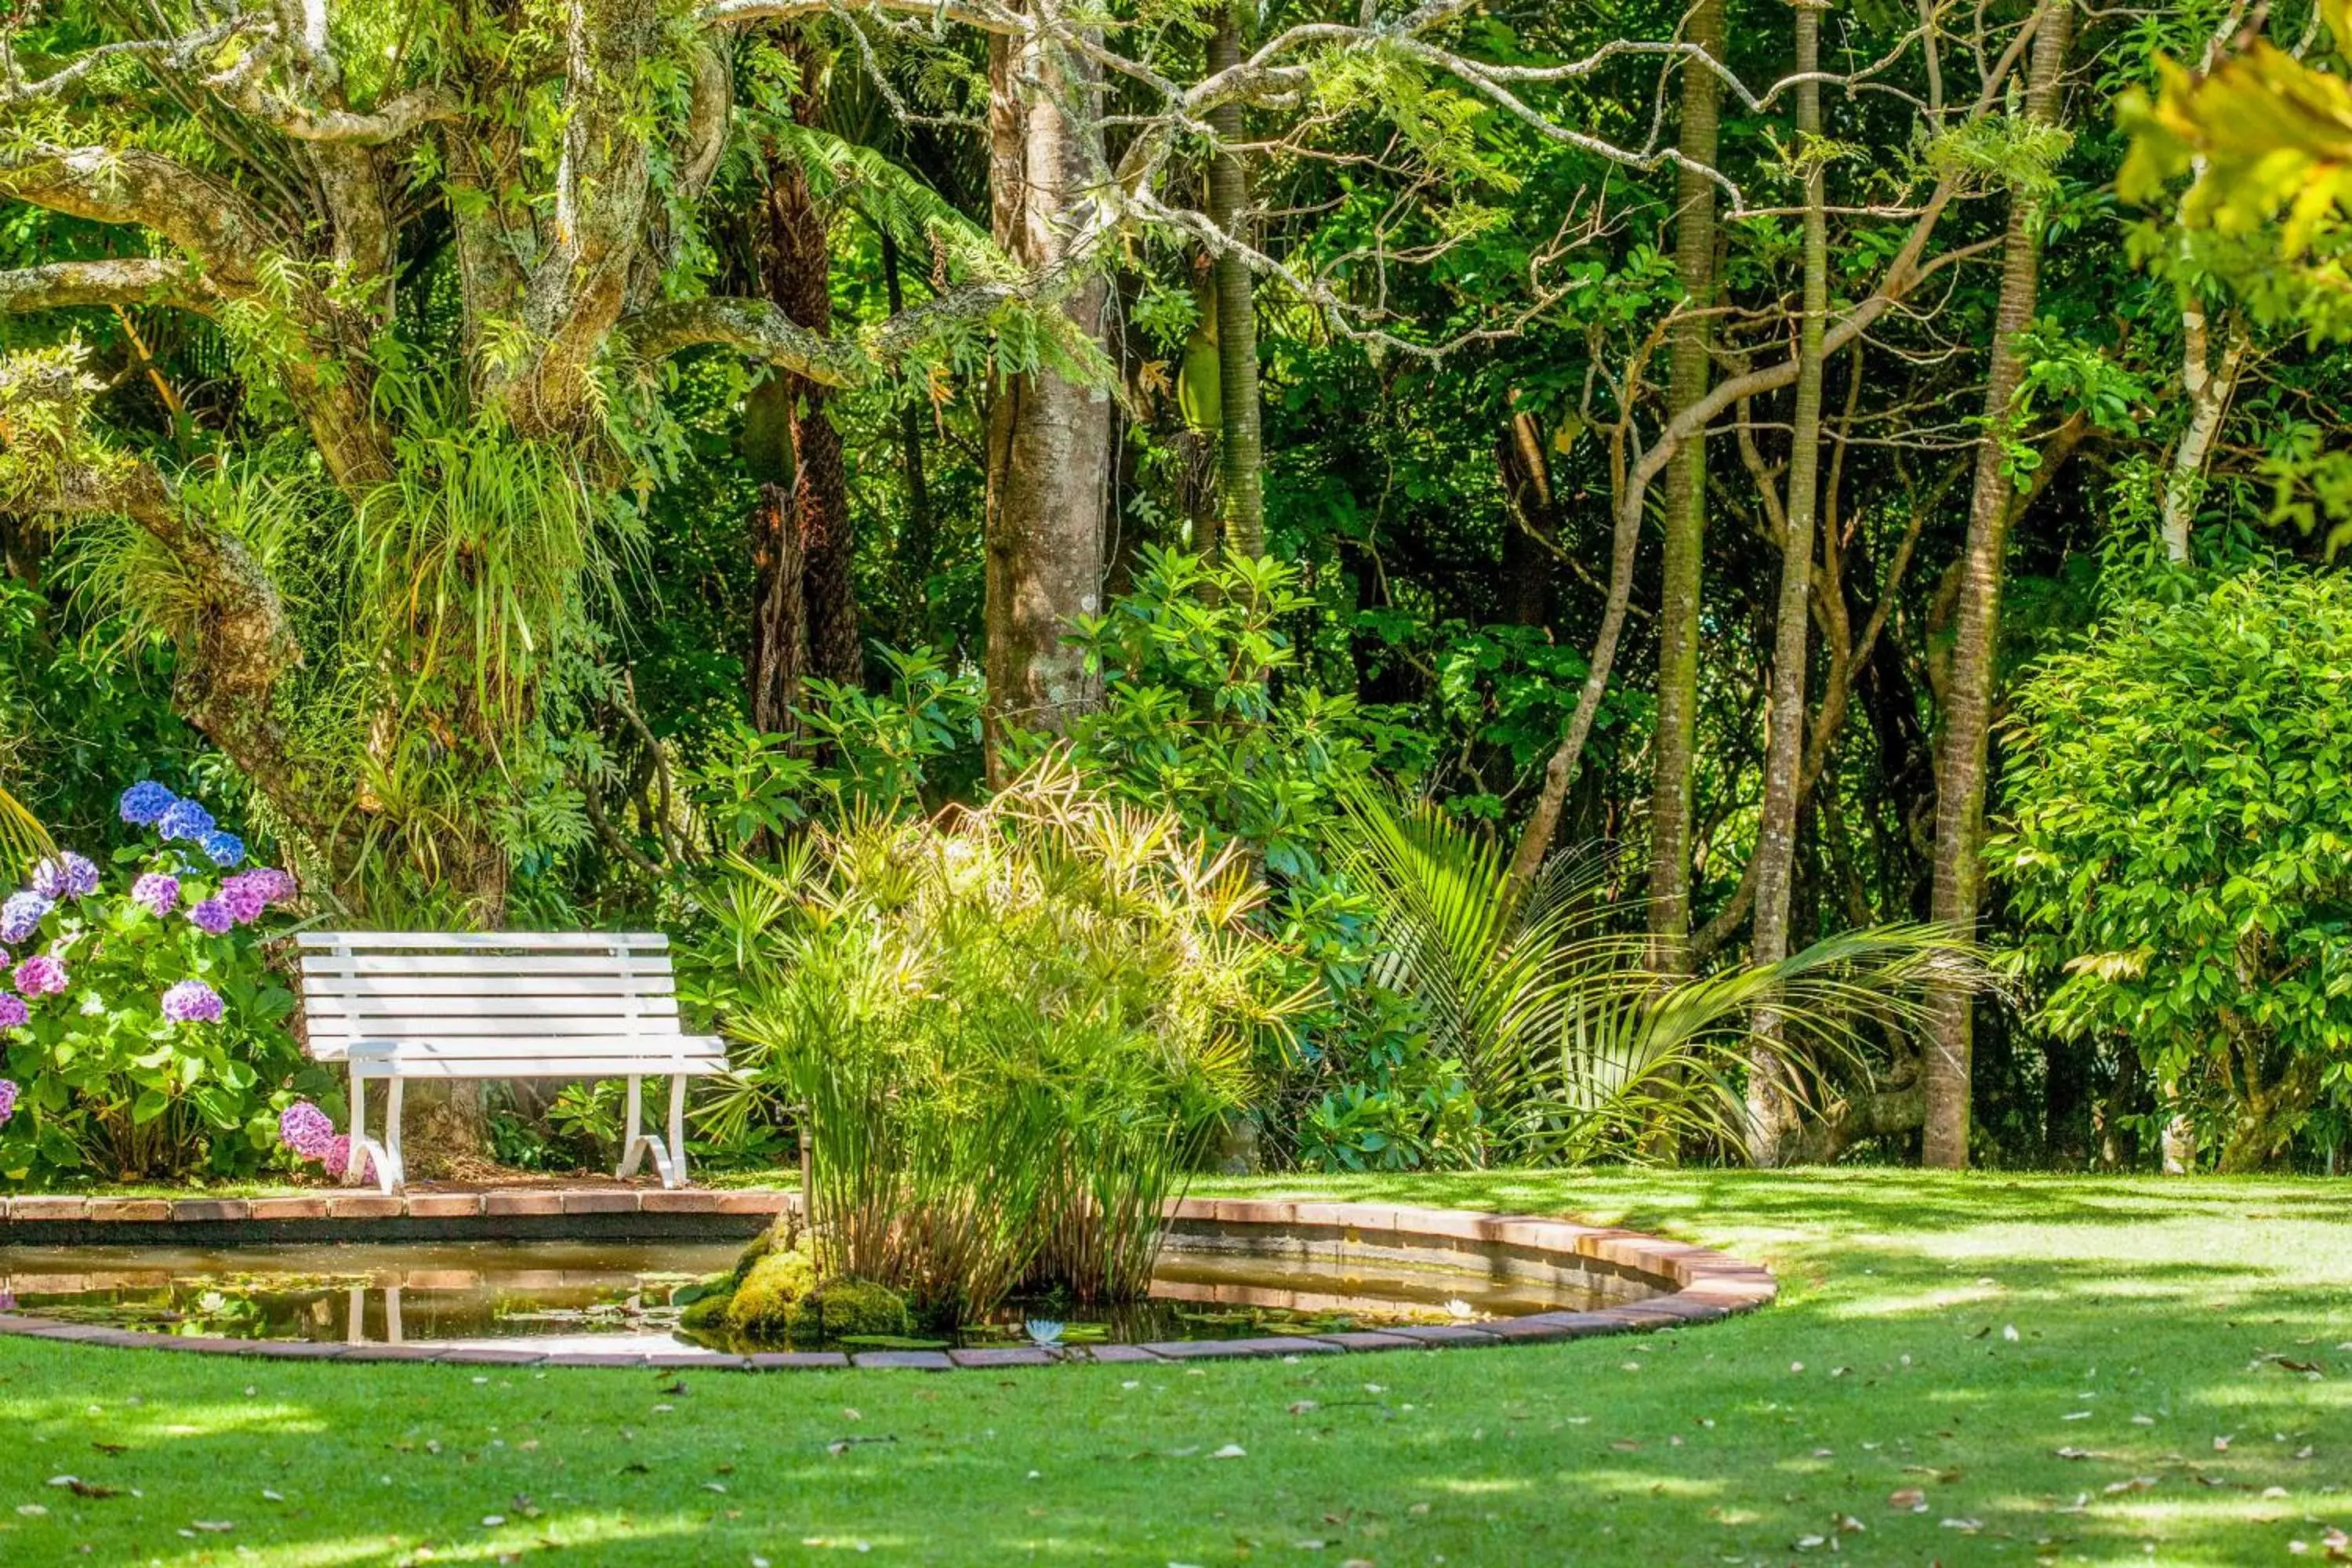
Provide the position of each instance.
(500, 1001)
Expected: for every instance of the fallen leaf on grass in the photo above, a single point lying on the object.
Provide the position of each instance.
(111, 1448)
(1909, 1498)
(1965, 1526)
(213, 1526)
(2130, 1484)
(1231, 1451)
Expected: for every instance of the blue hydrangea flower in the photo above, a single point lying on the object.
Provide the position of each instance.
(223, 848)
(21, 916)
(144, 802)
(186, 819)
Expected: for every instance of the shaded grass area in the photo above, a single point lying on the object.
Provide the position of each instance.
(2155, 1324)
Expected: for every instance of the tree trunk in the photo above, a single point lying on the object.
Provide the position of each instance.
(1241, 453)
(1968, 711)
(1771, 1107)
(1048, 438)
(918, 545)
(779, 654)
(2209, 386)
(1686, 511)
(795, 271)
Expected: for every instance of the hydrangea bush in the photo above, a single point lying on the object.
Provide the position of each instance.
(144, 1034)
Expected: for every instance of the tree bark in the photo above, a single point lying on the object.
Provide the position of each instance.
(1048, 437)
(1240, 452)
(918, 544)
(1968, 711)
(2209, 385)
(1687, 373)
(778, 654)
(1771, 1107)
(796, 272)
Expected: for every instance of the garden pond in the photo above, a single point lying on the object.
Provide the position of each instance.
(618, 1296)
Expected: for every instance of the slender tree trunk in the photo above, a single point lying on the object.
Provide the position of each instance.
(795, 269)
(1241, 453)
(1686, 512)
(1771, 1108)
(2209, 385)
(1048, 439)
(1968, 711)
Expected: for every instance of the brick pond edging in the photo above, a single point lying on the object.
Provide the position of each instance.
(1693, 1284)
(572, 1211)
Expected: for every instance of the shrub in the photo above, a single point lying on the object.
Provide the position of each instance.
(145, 1032)
(1012, 1030)
(2179, 846)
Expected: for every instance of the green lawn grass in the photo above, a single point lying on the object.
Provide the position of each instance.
(1948, 1336)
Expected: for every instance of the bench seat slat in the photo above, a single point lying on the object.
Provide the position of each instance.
(542, 1066)
(551, 1046)
(580, 941)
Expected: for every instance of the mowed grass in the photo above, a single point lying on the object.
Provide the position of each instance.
(2079, 1371)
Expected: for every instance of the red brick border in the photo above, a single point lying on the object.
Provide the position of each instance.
(1696, 1284)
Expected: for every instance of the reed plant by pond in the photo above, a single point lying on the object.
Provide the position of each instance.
(1011, 1031)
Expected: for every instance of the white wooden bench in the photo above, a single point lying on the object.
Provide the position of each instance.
(399, 1005)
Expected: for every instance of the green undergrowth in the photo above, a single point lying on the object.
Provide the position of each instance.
(1980, 1369)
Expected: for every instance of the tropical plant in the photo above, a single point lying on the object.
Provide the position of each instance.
(1012, 1029)
(145, 1036)
(1573, 1049)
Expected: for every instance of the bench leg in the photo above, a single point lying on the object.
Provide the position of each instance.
(669, 1160)
(384, 1156)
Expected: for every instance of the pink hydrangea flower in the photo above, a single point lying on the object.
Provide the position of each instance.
(213, 917)
(7, 1100)
(192, 1001)
(14, 1013)
(41, 975)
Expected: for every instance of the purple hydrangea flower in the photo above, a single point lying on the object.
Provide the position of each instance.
(41, 975)
(14, 1015)
(222, 849)
(186, 819)
(192, 1001)
(22, 915)
(244, 900)
(213, 917)
(144, 802)
(7, 1100)
(274, 885)
(304, 1128)
(66, 875)
(159, 891)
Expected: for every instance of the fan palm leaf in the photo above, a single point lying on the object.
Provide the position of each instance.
(1574, 1047)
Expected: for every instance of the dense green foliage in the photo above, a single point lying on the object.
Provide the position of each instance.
(330, 489)
(2181, 847)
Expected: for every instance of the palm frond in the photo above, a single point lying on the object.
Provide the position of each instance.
(1577, 1050)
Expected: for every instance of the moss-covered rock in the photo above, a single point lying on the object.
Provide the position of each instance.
(767, 1304)
(708, 1314)
(761, 1246)
(858, 1307)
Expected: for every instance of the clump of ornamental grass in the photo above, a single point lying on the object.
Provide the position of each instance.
(1012, 1030)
